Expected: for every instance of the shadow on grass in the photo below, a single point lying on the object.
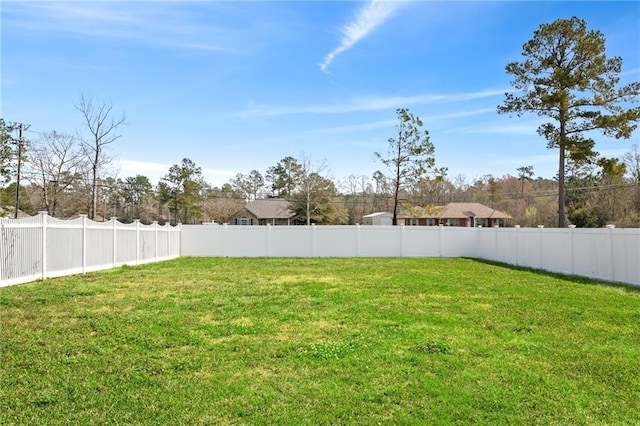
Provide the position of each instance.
(565, 277)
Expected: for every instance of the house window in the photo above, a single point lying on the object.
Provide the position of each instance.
(482, 222)
(454, 222)
(244, 221)
(431, 222)
(413, 222)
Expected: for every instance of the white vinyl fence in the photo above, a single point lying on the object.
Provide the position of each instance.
(608, 254)
(41, 246)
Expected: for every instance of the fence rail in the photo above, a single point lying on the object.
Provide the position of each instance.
(42, 246)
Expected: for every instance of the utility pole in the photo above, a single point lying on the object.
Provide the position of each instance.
(21, 143)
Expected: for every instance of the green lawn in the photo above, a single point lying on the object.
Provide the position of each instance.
(319, 341)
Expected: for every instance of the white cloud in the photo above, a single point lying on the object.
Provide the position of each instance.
(369, 17)
(520, 127)
(155, 171)
(363, 127)
(141, 167)
(368, 103)
(151, 23)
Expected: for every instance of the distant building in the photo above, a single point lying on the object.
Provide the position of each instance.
(267, 211)
(452, 214)
(380, 218)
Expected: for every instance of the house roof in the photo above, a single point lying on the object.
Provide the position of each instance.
(453, 211)
(409, 211)
(477, 210)
(270, 208)
(376, 214)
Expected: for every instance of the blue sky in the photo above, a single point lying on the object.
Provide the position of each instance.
(237, 86)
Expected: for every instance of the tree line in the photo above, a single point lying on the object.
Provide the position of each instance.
(58, 179)
(564, 76)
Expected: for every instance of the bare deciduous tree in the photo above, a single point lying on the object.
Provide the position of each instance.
(54, 164)
(104, 129)
(312, 180)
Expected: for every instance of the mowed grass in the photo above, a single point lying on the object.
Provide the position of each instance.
(319, 341)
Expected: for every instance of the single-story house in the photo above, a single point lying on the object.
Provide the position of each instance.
(452, 214)
(267, 211)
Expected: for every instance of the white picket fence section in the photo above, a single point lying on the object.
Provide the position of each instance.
(609, 254)
(42, 246)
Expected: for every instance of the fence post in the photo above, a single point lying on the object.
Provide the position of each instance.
(402, 240)
(225, 235)
(179, 231)
(268, 239)
(517, 242)
(572, 229)
(114, 241)
(541, 252)
(357, 239)
(314, 249)
(84, 243)
(137, 222)
(495, 243)
(440, 239)
(168, 244)
(155, 240)
(612, 257)
(43, 221)
(164, 232)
